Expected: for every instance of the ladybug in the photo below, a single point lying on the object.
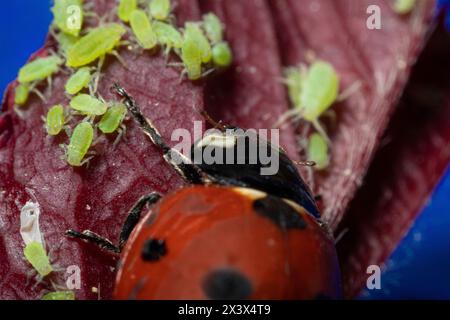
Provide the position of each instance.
(232, 233)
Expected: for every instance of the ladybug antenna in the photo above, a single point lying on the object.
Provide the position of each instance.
(216, 124)
(305, 163)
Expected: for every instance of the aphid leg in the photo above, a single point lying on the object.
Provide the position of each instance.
(52, 31)
(135, 215)
(87, 161)
(316, 124)
(39, 94)
(49, 84)
(175, 64)
(120, 134)
(285, 118)
(108, 17)
(63, 146)
(125, 43)
(182, 75)
(68, 117)
(66, 71)
(189, 171)
(167, 55)
(88, 6)
(207, 72)
(344, 95)
(31, 275)
(98, 73)
(58, 287)
(38, 281)
(116, 54)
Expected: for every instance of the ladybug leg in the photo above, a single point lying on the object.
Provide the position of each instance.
(135, 215)
(189, 171)
(132, 220)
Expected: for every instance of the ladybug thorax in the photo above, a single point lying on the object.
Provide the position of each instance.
(245, 159)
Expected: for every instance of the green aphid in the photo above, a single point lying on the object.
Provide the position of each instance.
(404, 6)
(55, 120)
(80, 142)
(68, 16)
(59, 295)
(126, 7)
(168, 35)
(87, 105)
(195, 33)
(36, 255)
(78, 81)
(21, 94)
(221, 55)
(39, 69)
(65, 41)
(143, 29)
(191, 55)
(160, 9)
(213, 27)
(318, 151)
(294, 79)
(319, 91)
(94, 45)
(113, 118)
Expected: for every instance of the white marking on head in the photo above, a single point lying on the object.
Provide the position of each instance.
(217, 140)
(250, 193)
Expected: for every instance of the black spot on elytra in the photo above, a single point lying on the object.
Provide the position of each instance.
(227, 284)
(153, 250)
(280, 212)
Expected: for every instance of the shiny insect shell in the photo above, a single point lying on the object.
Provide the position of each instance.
(223, 253)
(243, 236)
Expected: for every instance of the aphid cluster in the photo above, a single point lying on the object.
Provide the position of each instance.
(312, 91)
(203, 45)
(200, 45)
(82, 52)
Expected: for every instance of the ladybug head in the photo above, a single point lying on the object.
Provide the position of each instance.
(232, 157)
(243, 158)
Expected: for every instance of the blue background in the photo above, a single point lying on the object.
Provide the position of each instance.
(418, 269)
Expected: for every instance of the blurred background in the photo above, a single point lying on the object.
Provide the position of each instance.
(418, 269)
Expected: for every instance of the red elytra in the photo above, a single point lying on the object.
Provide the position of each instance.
(212, 242)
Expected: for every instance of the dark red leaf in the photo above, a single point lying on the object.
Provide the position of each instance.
(414, 154)
(96, 198)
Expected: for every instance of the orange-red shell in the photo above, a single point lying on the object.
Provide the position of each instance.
(211, 231)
